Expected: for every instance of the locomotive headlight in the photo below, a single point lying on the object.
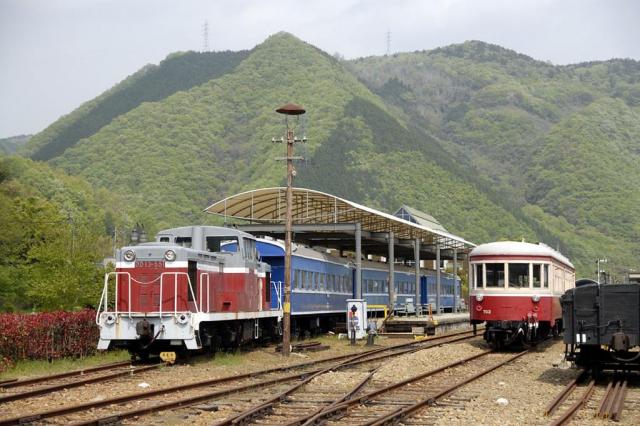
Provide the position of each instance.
(129, 255)
(479, 297)
(170, 255)
(535, 298)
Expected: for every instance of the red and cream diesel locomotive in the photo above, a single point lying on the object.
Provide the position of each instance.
(187, 291)
(515, 288)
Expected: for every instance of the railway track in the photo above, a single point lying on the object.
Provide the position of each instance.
(271, 381)
(28, 388)
(10, 383)
(584, 397)
(407, 401)
(412, 397)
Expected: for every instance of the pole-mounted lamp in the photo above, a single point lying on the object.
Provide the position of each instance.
(287, 110)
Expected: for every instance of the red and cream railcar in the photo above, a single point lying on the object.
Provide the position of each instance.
(515, 288)
(184, 291)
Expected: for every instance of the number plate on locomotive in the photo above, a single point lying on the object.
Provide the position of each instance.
(150, 264)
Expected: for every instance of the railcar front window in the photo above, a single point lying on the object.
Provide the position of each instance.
(518, 275)
(495, 275)
(478, 275)
(536, 276)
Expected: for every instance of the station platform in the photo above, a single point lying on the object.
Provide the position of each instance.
(404, 326)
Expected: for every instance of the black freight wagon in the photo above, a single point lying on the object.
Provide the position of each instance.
(602, 326)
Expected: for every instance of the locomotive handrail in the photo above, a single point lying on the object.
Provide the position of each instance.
(175, 291)
(105, 294)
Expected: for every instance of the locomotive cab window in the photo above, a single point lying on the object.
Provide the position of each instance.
(249, 249)
(184, 241)
(494, 275)
(518, 275)
(220, 244)
(164, 239)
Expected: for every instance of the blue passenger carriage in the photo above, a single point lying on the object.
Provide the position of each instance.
(320, 284)
(447, 290)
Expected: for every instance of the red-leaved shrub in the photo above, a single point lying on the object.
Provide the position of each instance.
(48, 335)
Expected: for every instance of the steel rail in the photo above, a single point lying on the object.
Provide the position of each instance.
(77, 383)
(564, 393)
(342, 407)
(167, 390)
(568, 415)
(613, 395)
(407, 411)
(349, 395)
(12, 383)
(619, 404)
(266, 407)
(613, 400)
(603, 401)
(305, 376)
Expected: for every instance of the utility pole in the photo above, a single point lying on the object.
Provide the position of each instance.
(388, 42)
(288, 110)
(598, 262)
(205, 36)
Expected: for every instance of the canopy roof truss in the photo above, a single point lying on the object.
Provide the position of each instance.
(267, 206)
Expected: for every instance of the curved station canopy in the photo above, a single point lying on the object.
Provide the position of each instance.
(320, 218)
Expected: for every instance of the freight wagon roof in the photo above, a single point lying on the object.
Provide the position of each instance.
(516, 248)
(268, 205)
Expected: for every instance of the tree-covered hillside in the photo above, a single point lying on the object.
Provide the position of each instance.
(56, 230)
(560, 142)
(494, 144)
(179, 71)
(171, 158)
(12, 144)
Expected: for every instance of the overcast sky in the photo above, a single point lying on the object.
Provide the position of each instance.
(56, 54)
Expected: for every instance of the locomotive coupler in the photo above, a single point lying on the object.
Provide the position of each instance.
(144, 328)
(620, 341)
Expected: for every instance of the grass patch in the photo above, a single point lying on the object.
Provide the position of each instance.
(27, 368)
(228, 359)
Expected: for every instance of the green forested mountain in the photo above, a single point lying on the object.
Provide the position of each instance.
(179, 71)
(12, 144)
(55, 233)
(560, 143)
(494, 144)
